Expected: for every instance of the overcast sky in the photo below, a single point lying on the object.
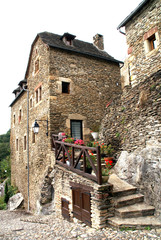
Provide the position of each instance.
(21, 20)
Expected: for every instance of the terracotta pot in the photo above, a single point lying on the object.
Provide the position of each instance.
(105, 179)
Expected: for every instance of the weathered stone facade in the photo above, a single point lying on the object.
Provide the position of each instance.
(93, 77)
(132, 123)
(143, 36)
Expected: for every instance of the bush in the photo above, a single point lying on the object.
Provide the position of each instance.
(3, 205)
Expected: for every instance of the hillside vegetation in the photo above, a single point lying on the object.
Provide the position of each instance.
(5, 169)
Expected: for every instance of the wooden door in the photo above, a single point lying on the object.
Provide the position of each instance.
(81, 205)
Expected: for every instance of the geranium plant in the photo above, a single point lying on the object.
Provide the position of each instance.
(68, 140)
(79, 142)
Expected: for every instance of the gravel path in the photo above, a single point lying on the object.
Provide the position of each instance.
(17, 225)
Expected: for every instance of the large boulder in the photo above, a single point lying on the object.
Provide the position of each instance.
(142, 168)
(15, 201)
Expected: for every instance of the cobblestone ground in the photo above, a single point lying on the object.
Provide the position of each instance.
(19, 225)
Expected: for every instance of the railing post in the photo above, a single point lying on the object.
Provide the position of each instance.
(72, 157)
(84, 161)
(63, 152)
(99, 169)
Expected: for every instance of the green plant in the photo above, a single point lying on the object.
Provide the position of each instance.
(93, 158)
(89, 144)
(6, 196)
(117, 134)
(148, 228)
(105, 171)
(68, 140)
(109, 150)
(3, 205)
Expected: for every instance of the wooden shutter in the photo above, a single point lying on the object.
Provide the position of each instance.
(65, 208)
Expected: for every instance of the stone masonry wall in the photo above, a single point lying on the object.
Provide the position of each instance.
(132, 123)
(92, 83)
(90, 80)
(141, 61)
(101, 200)
(40, 156)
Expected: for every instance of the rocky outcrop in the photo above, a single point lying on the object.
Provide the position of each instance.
(15, 201)
(142, 168)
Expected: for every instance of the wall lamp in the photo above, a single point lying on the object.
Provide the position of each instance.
(36, 126)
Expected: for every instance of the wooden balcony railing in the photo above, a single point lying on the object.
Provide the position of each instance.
(75, 157)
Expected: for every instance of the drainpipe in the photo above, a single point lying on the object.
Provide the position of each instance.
(28, 191)
(122, 32)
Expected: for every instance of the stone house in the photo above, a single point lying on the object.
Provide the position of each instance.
(132, 122)
(69, 83)
(143, 37)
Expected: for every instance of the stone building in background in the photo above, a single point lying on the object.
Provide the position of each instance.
(143, 36)
(69, 83)
(133, 120)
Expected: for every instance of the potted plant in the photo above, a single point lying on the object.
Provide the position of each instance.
(68, 140)
(105, 174)
(88, 165)
(109, 155)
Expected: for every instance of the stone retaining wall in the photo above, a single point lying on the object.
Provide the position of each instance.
(133, 125)
(101, 200)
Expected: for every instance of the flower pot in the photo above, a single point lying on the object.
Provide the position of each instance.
(95, 135)
(105, 179)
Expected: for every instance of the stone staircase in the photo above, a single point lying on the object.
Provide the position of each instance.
(130, 209)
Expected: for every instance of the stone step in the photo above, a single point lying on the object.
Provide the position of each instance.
(120, 187)
(128, 200)
(137, 223)
(136, 210)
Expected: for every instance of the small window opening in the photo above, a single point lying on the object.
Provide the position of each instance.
(30, 102)
(152, 41)
(16, 144)
(19, 117)
(14, 119)
(65, 87)
(37, 96)
(40, 94)
(25, 143)
(36, 65)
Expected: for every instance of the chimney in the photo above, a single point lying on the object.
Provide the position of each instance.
(98, 41)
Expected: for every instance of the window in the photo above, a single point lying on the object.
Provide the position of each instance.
(37, 96)
(17, 144)
(31, 103)
(152, 41)
(19, 117)
(38, 93)
(25, 143)
(66, 87)
(37, 65)
(76, 129)
(14, 119)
